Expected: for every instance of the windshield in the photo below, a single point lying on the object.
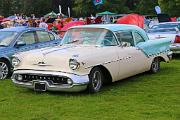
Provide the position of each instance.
(6, 37)
(89, 36)
(167, 25)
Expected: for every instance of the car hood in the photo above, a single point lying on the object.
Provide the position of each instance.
(57, 58)
(4, 50)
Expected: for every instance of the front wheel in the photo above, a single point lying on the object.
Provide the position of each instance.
(4, 69)
(155, 66)
(95, 80)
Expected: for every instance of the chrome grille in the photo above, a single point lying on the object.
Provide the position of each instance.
(50, 78)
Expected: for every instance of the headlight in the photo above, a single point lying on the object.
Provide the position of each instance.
(15, 62)
(73, 64)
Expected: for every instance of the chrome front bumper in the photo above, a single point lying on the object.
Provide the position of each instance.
(79, 83)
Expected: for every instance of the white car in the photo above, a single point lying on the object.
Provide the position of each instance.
(90, 55)
(169, 30)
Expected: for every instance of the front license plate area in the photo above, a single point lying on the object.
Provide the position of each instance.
(39, 86)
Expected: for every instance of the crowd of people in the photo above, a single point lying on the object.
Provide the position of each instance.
(31, 22)
(49, 22)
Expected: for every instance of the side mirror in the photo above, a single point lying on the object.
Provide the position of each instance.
(126, 44)
(20, 43)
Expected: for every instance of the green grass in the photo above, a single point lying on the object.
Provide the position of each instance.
(142, 97)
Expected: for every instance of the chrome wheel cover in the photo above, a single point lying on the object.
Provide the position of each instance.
(155, 65)
(3, 70)
(96, 80)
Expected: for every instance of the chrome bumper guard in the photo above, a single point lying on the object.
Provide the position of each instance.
(170, 55)
(79, 83)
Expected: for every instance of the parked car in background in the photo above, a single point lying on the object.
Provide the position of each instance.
(19, 39)
(89, 56)
(169, 30)
(166, 25)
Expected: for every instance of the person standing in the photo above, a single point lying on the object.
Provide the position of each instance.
(43, 24)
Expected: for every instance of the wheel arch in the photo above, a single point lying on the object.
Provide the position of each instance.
(161, 58)
(106, 73)
(7, 60)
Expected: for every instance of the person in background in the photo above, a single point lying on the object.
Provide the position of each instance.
(58, 24)
(54, 27)
(43, 24)
(25, 23)
(34, 24)
(1, 26)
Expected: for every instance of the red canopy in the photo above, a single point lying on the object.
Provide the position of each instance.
(5, 19)
(71, 24)
(133, 19)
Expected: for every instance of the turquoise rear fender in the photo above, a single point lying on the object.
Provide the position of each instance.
(154, 47)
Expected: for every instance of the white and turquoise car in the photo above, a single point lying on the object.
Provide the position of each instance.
(89, 56)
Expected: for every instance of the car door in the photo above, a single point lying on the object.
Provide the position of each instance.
(29, 40)
(131, 59)
(46, 39)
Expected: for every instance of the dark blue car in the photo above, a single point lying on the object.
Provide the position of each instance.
(19, 39)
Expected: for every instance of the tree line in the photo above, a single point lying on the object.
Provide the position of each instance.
(82, 8)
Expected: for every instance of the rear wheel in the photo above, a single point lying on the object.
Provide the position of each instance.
(155, 66)
(95, 80)
(4, 69)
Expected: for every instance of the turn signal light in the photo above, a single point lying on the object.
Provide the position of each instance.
(177, 39)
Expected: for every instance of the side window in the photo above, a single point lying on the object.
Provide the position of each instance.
(43, 36)
(125, 38)
(109, 39)
(138, 38)
(28, 38)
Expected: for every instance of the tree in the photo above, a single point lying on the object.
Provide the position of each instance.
(171, 7)
(86, 7)
(146, 7)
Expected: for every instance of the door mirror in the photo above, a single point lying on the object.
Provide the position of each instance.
(20, 43)
(126, 44)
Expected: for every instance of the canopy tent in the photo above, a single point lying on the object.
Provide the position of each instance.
(71, 24)
(105, 13)
(106, 16)
(51, 14)
(133, 19)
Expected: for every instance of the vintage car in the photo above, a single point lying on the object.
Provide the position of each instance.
(170, 30)
(19, 39)
(89, 56)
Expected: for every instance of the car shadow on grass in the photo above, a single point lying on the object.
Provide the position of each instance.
(176, 56)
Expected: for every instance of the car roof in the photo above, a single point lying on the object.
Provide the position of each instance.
(111, 27)
(170, 23)
(115, 28)
(21, 29)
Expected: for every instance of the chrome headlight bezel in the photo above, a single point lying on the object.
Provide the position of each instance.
(74, 64)
(15, 62)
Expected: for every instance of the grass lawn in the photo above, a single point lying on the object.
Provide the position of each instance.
(142, 97)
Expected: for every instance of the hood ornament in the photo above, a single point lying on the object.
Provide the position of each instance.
(41, 64)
